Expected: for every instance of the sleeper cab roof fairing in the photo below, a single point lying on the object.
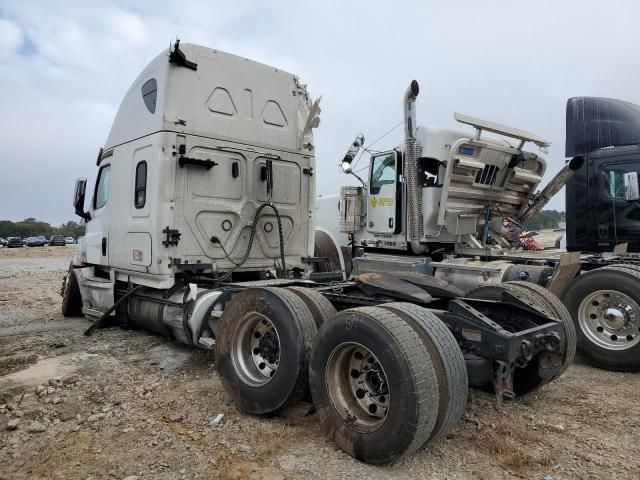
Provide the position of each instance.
(141, 110)
(597, 122)
(220, 94)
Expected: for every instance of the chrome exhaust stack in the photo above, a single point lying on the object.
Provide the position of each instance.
(540, 199)
(411, 152)
(410, 110)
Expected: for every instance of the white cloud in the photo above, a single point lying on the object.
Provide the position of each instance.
(65, 66)
(11, 38)
(128, 28)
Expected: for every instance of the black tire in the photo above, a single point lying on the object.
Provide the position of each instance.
(319, 305)
(623, 267)
(606, 348)
(529, 378)
(245, 371)
(558, 310)
(71, 298)
(407, 372)
(449, 363)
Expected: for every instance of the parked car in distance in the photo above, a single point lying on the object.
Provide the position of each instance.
(69, 240)
(44, 239)
(57, 241)
(14, 242)
(3, 242)
(35, 242)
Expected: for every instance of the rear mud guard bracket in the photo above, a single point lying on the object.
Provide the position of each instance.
(510, 333)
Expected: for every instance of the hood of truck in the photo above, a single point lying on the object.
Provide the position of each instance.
(486, 174)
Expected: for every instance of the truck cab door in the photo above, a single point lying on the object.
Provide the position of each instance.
(618, 216)
(96, 236)
(382, 214)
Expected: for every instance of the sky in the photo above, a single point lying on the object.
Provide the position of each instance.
(66, 65)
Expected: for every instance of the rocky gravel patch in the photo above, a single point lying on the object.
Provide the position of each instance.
(125, 404)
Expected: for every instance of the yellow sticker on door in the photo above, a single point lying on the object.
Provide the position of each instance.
(381, 201)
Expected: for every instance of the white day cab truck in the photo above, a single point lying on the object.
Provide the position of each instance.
(201, 227)
(452, 204)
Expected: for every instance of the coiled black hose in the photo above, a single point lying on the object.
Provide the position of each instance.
(254, 227)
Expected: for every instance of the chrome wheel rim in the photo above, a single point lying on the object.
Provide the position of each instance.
(358, 387)
(255, 349)
(610, 319)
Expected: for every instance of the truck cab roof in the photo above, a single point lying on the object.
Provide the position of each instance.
(168, 96)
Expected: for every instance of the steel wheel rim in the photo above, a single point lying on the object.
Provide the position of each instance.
(610, 319)
(357, 386)
(255, 349)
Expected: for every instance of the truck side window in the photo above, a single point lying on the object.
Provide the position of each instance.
(150, 94)
(430, 168)
(102, 187)
(612, 177)
(383, 171)
(140, 192)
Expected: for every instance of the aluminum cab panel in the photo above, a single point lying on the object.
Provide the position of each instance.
(215, 203)
(138, 244)
(125, 252)
(232, 98)
(219, 182)
(227, 97)
(287, 181)
(230, 110)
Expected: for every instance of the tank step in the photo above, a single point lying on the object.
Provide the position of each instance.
(378, 263)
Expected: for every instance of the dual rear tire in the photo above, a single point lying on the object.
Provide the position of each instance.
(263, 345)
(374, 384)
(384, 380)
(262, 349)
(447, 359)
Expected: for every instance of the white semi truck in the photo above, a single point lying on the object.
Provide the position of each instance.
(200, 226)
(452, 204)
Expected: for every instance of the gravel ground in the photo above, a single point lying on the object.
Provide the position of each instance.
(127, 404)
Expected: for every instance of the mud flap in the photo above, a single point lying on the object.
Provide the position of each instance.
(568, 268)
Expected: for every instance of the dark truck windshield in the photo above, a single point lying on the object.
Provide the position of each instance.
(612, 177)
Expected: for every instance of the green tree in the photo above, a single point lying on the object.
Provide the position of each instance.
(31, 227)
(546, 219)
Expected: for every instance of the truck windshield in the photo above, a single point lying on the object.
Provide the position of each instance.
(612, 176)
(102, 187)
(383, 171)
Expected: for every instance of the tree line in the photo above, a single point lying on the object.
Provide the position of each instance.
(546, 219)
(30, 227)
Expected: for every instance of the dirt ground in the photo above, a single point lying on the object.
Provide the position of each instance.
(127, 404)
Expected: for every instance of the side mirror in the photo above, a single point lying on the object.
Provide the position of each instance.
(78, 198)
(354, 148)
(630, 183)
